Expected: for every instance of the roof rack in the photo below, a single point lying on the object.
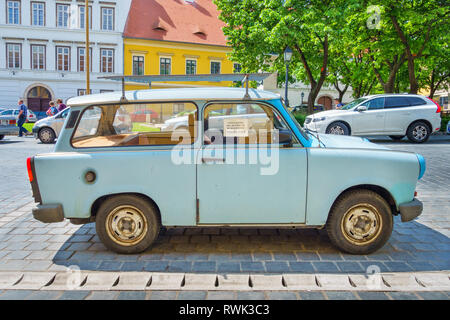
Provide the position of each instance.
(244, 77)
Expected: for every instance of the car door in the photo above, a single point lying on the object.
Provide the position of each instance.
(248, 172)
(398, 114)
(371, 121)
(59, 120)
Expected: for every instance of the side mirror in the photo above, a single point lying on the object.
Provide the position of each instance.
(285, 138)
(361, 108)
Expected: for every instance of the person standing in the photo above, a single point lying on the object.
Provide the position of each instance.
(52, 110)
(23, 112)
(61, 105)
(338, 103)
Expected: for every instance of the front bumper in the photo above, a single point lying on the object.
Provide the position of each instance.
(49, 213)
(410, 210)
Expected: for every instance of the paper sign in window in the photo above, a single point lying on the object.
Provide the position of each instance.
(235, 127)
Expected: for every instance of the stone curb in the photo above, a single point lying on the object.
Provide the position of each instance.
(140, 281)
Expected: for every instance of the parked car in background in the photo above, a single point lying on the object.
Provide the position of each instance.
(14, 113)
(133, 183)
(393, 115)
(48, 129)
(304, 108)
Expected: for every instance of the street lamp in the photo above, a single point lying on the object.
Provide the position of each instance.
(287, 59)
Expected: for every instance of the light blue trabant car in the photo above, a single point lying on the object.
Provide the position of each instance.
(238, 160)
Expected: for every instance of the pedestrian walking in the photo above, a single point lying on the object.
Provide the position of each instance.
(52, 110)
(61, 105)
(23, 113)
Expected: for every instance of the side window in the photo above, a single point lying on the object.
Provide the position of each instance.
(416, 101)
(375, 104)
(396, 102)
(244, 123)
(65, 113)
(7, 113)
(150, 124)
(87, 126)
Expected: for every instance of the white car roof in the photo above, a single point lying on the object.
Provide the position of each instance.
(179, 94)
(393, 95)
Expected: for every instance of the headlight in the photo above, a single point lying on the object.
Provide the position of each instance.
(319, 119)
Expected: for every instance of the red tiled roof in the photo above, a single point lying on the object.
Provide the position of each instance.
(175, 20)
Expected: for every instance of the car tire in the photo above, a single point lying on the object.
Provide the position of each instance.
(418, 132)
(360, 222)
(2, 136)
(46, 135)
(127, 224)
(396, 138)
(338, 128)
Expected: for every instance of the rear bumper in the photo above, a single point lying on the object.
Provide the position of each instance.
(49, 213)
(411, 210)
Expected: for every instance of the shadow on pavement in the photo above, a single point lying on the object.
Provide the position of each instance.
(412, 247)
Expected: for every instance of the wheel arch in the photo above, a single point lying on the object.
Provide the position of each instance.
(97, 203)
(342, 121)
(385, 194)
(428, 123)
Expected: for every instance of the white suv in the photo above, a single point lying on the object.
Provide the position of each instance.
(394, 115)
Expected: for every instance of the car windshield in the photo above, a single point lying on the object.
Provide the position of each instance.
(353, 104)
(300, 128)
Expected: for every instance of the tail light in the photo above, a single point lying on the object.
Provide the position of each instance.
(30, 171)
(437, 105)
(12, 121)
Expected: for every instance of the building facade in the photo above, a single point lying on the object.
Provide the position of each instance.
(42, 49)
(164, 37)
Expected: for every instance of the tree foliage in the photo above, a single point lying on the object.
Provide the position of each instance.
(369, 45)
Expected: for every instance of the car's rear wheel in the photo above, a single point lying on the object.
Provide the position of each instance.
(47, 135)
(2, 136)
(338, 128)
(396, 138)
(127, 224)
(360, 222)
(418, 132)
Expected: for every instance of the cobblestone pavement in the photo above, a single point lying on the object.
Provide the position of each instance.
(27, 245)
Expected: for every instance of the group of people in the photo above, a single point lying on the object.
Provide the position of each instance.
(23, 113)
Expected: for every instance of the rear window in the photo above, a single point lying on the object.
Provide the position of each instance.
(143, 124)
(396, 102)
(416, 101)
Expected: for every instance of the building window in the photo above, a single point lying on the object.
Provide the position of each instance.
(82, 17)
(82, 92)
(38, 14)
(191, 66)
(107, 19)
(13, 12)
(82, 59)
(165, 66)
(63, 58)
(138, 65)
(14, 55)
(62, 15)
(215, 67)
(107, 60)
(237, 68)
(37, 57)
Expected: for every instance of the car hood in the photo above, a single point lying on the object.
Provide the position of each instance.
(44, 121)
(346, 142)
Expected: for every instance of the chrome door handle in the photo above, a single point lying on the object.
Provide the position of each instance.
(207, 160)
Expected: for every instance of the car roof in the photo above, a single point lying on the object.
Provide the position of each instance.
(393, 95)
(178, 94)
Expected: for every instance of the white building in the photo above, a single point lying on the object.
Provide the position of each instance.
(42, 49)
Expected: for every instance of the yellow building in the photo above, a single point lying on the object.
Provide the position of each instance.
(175, 37)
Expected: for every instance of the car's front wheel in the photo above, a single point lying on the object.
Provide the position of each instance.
(360, 222)
(127, 224)
(418, 132)
(338, 128)
(47, 135)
